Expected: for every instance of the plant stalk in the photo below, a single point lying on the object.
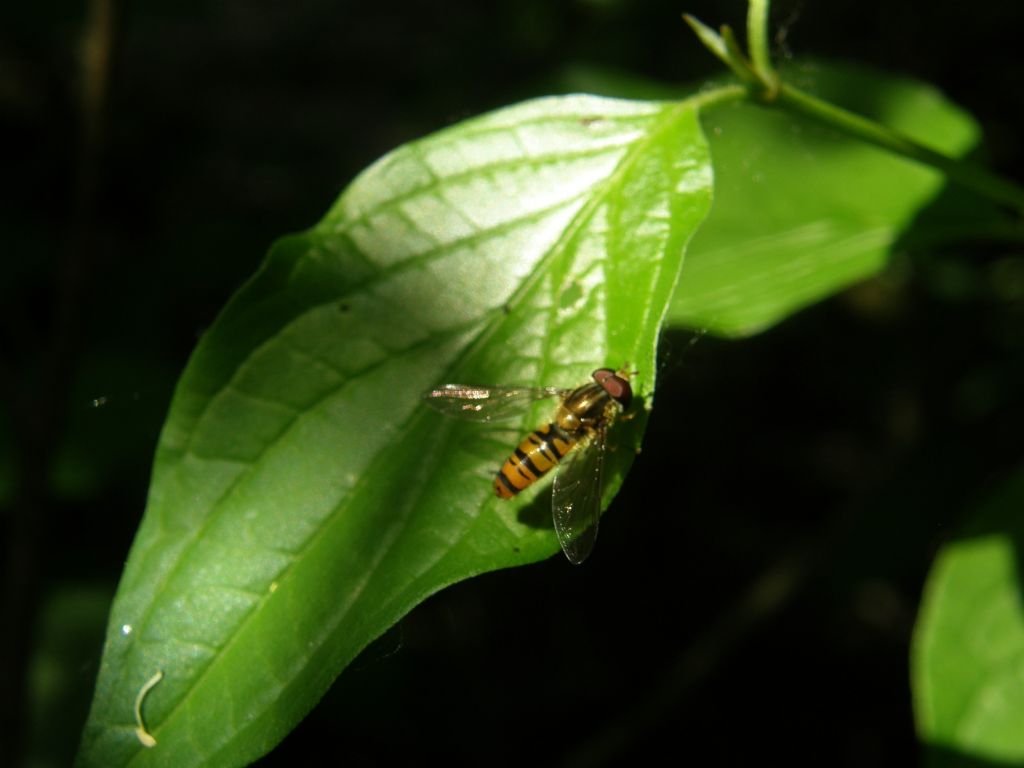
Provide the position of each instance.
(757, 42)
(762, 82)
(969, 175)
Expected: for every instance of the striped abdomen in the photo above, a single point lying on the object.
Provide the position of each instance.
(538, 453)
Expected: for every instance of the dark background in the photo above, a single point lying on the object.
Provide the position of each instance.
(756, 581)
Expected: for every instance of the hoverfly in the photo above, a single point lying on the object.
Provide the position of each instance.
(576, 433)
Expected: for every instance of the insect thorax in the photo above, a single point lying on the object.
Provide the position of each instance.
(585, 408)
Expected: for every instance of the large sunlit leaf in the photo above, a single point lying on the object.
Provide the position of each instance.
(801, 211)
(303, 499)
(968, 659)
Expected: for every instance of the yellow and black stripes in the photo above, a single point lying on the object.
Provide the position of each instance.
(539, 452)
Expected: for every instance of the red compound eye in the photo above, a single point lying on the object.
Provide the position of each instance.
(617, 387)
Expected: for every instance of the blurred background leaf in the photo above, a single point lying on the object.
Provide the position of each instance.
(968, 687)
(801, 212)
(63, 667)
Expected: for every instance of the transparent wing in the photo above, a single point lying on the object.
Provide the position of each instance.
(576, 498)
(486, 403)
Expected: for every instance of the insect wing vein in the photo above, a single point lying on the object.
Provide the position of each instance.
(475, 403)
(576, 500)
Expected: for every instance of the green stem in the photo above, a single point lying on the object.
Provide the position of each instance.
(735, 53)
(762, 83)
(716, 43)
(971, 176)
(720, 95)
(757, 41)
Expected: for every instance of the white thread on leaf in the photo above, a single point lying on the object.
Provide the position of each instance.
(141, 733)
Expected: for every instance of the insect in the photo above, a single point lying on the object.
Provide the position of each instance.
(576, 437)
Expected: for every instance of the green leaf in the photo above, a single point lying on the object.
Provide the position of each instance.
(802, 212)
(303, 499)
(968, 647)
